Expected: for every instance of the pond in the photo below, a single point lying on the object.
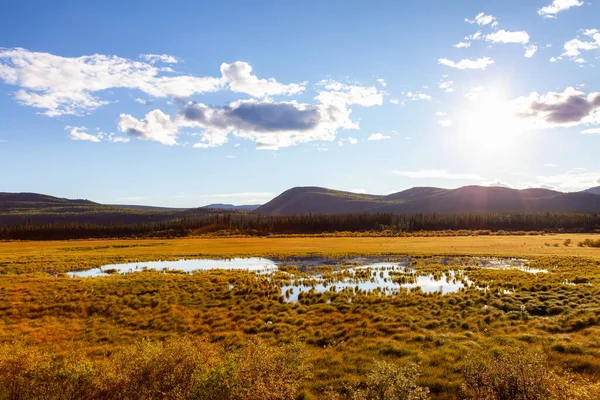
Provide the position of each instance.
(353, 274)
(253, 264)
(386, 277)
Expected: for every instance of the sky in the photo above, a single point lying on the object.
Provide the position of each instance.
(187, 103)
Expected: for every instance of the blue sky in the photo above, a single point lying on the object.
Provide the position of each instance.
(189, 103)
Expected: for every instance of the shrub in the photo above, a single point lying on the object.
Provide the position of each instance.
(522, 374)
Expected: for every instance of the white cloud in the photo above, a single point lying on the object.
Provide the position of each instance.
(340, 94)
(482, 19)
(378, 136)
(572, 180)
(71, 85)
(238, 76)
(118, 139)
(558, 109)
(462, 45)
(498, 183)
(271, 125)
(349, 139)
(475, 36)
(553, 59)
(445, 122)
(163, 58)
(550, 165)
(156, 126)
(382, 82)
(396, 101)
(436, 174)
(78, 133)
(447, 86)
(481, 63)
(592, 131)
(557, 6)
(440, 114)
(574, 47)
(143, 101)
(419, 96)
(530, 50)
(503, 36)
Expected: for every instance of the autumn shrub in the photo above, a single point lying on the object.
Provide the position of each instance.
(522, 374)
(176, 369)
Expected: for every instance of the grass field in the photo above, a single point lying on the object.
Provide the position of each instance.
(61, 256)
(344, 332)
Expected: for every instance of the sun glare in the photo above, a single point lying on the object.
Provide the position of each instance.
(489, 124)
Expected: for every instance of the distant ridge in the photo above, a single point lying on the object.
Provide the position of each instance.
(594, 190)
(220, 206)
(317, 200)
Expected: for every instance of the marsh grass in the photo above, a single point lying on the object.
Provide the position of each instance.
(347, 332)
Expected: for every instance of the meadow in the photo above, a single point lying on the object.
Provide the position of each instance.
(330, 344)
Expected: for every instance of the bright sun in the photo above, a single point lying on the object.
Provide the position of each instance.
(489, 124)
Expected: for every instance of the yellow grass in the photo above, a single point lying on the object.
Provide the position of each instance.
(83, 254)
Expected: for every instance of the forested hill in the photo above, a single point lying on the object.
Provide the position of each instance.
(316, 200)
(33, 208)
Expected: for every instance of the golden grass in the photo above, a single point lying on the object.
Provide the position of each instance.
(84, 254)
(105, 314)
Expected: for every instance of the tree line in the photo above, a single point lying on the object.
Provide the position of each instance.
(257, 224)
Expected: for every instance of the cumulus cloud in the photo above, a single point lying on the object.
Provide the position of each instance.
(396, 101)
(503, 36)
(557, 6)
(530, 50)
(378, 136)
(480, 63)
(553, 109)
(156, 126)
(445, 122)
(163, 58)
(382, 82)
(482, 19)
(81, 133)
(574, 47)
(461, 45)
(436, 174)
(71, 85)
(271, 125)
(239, 78)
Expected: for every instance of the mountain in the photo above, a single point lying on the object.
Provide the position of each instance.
(316, 200)
(220, 206)
(594, 190)
(11, 202)
(18, 208)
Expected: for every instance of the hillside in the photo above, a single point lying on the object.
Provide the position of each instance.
(304, 200)
(594, 190)
(18, 208)
(221, 206)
